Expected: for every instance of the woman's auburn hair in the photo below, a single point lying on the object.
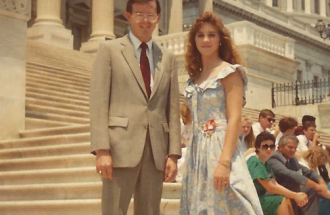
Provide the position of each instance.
(227, 50)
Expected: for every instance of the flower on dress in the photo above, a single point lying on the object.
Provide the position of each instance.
(209, 127)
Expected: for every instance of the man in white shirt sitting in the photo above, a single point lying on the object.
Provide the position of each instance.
(309, 138)
(265, 122)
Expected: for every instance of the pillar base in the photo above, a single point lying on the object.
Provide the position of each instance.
(51, 35)
(91, 46)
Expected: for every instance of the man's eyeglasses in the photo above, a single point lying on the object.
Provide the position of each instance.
(271, 120)
(139, 17)
(265, 147)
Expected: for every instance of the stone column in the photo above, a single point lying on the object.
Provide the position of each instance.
(48, 26)
(176, 16)
(14, 15)
(205, 5)
(49, 13)
(289, 6)
(269, 3)
(307, 6)
(323, 8)
(102, 24)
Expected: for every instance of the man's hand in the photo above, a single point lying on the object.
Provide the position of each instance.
(104, 164)
(171, 168)
(301, 199)
(322, 189)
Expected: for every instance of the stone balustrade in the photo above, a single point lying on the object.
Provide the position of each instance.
(247, 33)
(174, 42)
(243, 33)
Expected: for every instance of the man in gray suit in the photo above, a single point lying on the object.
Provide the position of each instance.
(290, 174)
(134, 114)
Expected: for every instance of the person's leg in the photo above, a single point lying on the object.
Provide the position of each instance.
(312, 207)
(285, 207)
(148, 191)
(117, 193)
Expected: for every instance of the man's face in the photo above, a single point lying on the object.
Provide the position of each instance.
(266, 122)
(143, 19)
(309, 133)
(288, 150)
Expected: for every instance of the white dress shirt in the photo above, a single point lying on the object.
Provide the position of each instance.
(304, 143)
(257, 129)
(136, 44)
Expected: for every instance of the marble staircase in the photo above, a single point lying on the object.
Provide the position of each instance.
(48, 170)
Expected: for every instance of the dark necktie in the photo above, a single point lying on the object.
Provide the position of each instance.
(145, 68)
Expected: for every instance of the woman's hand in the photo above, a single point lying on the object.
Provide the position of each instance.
(301, 199)
(221, 176)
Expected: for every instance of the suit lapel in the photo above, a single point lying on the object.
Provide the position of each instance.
(129, 54)
(158, 55)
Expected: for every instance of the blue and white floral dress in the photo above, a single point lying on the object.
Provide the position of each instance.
(208, 102)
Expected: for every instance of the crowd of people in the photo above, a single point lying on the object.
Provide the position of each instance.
(230, 163)
(287, 163)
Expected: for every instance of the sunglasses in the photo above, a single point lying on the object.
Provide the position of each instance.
(265, 147)
(271, 120)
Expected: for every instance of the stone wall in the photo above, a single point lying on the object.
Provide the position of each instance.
(13, 18)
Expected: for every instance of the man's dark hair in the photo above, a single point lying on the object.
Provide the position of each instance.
(129, 6)
(264, 136)
(287, 123)
(265, 112)
(308, 118)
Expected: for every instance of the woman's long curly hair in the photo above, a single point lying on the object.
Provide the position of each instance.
(227, 50)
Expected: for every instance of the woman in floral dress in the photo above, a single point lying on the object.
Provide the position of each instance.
(216, 179)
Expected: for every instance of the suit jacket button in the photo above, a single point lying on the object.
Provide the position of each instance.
(145, 125)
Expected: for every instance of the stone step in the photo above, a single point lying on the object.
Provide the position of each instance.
(33, 123)
(55, 110)
(84, 73)
(57, 99)
(81, 67)
(56, 117)
(53, 104)
(73, 207)
(52, 73)
(58, 191)
(60, 80)
(44, 141)
(56, 84)
(43, 151)
(53, 162)
(58, 94)
(34, 192)
(60, 58)
(75, 129)
(50, 176)
(40, 86)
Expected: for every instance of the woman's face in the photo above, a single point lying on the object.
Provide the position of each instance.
(207, 40)
(266, 149)
(246, 128)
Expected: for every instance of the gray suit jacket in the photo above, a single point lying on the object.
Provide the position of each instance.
(120, 111)
(289, 173)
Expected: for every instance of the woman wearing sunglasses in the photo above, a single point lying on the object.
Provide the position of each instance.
(273, 197)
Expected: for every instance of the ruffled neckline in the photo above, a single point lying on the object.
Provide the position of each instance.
(213, 82)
